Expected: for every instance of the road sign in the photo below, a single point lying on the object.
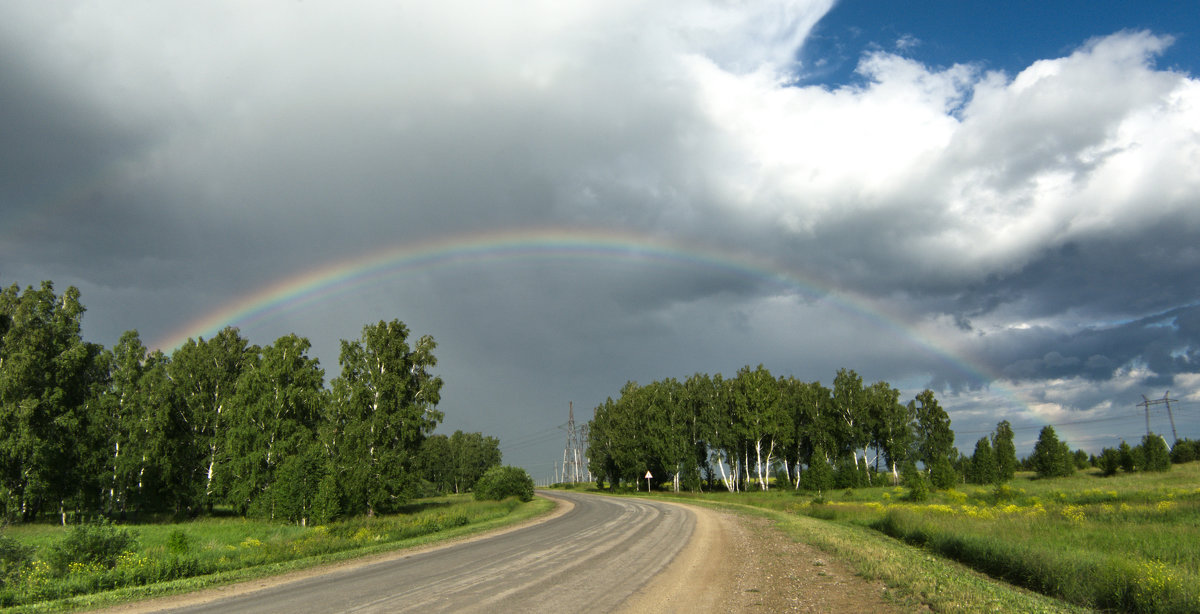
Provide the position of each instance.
(648, 476)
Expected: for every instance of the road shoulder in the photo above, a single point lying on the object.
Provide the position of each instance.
(743, 563)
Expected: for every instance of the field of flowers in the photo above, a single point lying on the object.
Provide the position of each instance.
(1125, 543)
(213, 550)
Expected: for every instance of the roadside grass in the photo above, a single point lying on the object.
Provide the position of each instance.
(180, 557)
(1123, 543)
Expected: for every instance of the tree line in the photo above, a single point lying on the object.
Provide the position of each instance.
(740, 430)
(90, 430)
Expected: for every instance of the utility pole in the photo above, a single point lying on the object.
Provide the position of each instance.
(1146, 403)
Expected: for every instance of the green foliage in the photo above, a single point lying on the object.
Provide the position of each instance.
(327, 506)
(1005, 451)
(914, 481)
(983, 469)
(505, 481)
(1155, 456)
(47, 376)
(819, 476)
(1185, 451)
(846, 473)
(225, 546)
(1128, 457)
(942, 474)
(934, 438)
(14, 559)
(453, 464)
(1051, 457)
(96, 543)
(1110, 461)
(383, 408)
(178, 542)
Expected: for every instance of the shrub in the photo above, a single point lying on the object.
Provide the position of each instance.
(14, 558)
(178, 542)
(942, 475)
(501, 482)
(845, 473)
(96, 543)
(912, 479)
(819, 475)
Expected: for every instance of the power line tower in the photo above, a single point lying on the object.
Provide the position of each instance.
(1146, 403)
(573, 453)
(584, 469)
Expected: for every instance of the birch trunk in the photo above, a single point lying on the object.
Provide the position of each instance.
(724, 478)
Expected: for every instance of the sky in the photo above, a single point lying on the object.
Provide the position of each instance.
(998, 201)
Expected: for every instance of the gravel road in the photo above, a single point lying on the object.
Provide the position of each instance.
(594, 554)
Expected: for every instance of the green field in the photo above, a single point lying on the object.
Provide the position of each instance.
(1129, 543)
(178, 557)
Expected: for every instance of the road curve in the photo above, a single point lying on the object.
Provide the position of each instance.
(589, 559)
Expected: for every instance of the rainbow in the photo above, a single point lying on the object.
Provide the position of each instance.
(322, 282)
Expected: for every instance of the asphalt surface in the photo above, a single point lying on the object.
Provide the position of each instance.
(588, 560)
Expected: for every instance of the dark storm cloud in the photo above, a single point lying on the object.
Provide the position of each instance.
(171, 159)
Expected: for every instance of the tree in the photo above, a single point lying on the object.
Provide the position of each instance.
(46, 373)
(933, 438)
(808, 406)
(1110, 461)
(123, 409)
(1004, 451)
(384, 407)
(983, 464)
(1127, 457)
(1184, 451)
(819, 476)
(273, 419)
(1155, 455)
(1051, 457)
(893, 426)
(205, 375)
(756, 401)
(851, 426)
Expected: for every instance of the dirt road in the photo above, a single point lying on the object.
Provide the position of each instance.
(594, 554)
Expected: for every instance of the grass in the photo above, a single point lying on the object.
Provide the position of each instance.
(222, 550)
(1122, 543)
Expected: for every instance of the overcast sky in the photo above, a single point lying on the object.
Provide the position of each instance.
(1000, 203)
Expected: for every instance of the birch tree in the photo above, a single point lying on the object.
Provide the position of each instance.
(384, 406)
(205, 375)
(274, 417)
(45, 371)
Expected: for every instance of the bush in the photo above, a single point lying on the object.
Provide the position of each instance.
(178, 542)
(14, 558)
(942, 475)
(914, 481)
(96, 543)
(501, 482)
(819, 475)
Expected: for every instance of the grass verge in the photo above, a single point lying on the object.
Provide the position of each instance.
(223, 551)
(912, 575)
(1120, 543)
